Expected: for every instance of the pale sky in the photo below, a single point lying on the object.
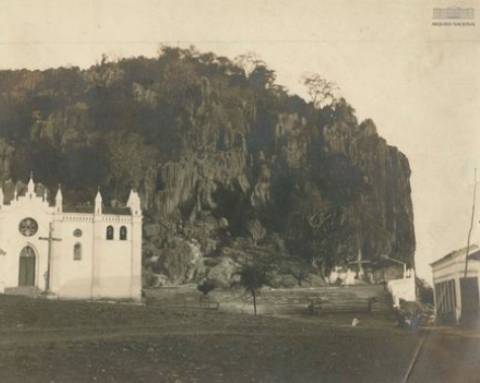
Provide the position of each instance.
(419, 83)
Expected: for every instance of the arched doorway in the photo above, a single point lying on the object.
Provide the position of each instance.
(26, 273)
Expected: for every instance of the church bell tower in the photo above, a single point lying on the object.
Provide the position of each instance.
(59, 200)
(98, 203)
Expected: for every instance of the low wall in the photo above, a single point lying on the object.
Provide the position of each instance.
(402, 289)
(279, 301)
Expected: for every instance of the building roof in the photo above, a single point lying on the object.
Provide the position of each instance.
(116, 210)
(90, 209)
(78, 209)
(8, 188)
(12, 189)
(475, 255)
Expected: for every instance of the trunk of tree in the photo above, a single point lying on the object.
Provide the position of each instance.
(255, 112)
(254, 302)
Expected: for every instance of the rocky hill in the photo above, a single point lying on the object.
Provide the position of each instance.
(228, 164)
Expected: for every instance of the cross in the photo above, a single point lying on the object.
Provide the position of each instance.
(50, 239)
(359, 262)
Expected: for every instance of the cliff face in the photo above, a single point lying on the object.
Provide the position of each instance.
(228, 165)
(329, 190)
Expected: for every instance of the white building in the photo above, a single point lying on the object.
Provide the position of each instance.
(456, 297)
(94, 254)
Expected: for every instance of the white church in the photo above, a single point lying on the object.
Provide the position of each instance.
(67, 254)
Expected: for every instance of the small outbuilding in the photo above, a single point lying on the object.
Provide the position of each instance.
(456, 296)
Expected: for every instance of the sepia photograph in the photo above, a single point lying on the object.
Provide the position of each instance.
(268, 191)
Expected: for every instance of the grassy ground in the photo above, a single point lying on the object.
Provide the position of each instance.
(52, 341)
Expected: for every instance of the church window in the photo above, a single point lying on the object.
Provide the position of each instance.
(77, 252)
(109, 232)
(123, 233)
(28, 227)
(77, 233)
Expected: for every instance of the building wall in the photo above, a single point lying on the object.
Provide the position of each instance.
(112, 269)
(454, 268)
(105, 269)
(136, 257)
(12, 242)
(72, 278)
(403, 288)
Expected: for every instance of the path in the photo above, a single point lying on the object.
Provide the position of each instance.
(451, 356)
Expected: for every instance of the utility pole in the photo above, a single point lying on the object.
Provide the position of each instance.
(50, 239)
(471, 222)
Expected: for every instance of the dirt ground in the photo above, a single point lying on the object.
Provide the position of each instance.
(59, 341)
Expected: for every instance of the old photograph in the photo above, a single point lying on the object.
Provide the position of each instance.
(270, 191)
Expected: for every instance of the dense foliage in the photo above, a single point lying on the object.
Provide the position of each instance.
(217, 150)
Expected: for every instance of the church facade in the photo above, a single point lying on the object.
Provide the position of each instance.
(70, 254)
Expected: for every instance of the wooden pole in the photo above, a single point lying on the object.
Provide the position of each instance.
(471, 222)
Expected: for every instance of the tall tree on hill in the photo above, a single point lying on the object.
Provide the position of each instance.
(248, 62)
(321, 91)
(259, 77)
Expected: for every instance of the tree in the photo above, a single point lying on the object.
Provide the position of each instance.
(261, 78)
(129, 157)
(321, 91)
(258, 76)
(425, 291)
(248, 62)
(297, 268)
(256, 230)
(253, 276)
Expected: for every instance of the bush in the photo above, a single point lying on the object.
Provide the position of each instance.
(206, 286)
(425, 292)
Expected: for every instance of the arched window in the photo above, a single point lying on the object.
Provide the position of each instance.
(123, 233)
(109, 232)
(77, 252)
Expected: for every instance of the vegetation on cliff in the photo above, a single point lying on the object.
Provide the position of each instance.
(227, 162)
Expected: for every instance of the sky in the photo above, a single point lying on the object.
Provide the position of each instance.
(419, 83)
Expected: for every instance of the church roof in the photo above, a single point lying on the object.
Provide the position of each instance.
(78, 209)
(116, 210)
(90, 209)
(8, 188)
(11, 189)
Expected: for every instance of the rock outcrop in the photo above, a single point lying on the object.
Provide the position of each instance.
(329, 190)
(228, 164)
